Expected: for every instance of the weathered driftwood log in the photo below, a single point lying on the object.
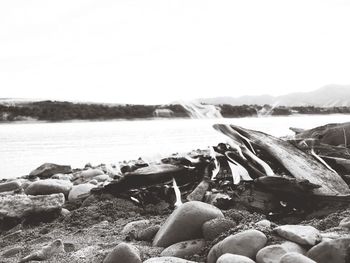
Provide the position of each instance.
(301, 165)
(331, 134)
(285, 185)
(281, 202)
(152, 175)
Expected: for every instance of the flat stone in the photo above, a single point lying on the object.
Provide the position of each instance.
(125, 253)
(303, 235)
(49, 186)
(270, 254)
(46, 170)
(18, 206)
(185, 223)
(184, 248)
(335, 251)
(246, 243)
(213, 228)
(232, 258)
(294, 257)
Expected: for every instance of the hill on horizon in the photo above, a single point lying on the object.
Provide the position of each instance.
(327, 96)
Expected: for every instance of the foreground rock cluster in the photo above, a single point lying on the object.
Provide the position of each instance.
(183, 209)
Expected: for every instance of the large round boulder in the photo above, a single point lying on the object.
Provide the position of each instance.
(185, 223)
(49, 186)
(246, 243)
(335, 251)
(125, 253)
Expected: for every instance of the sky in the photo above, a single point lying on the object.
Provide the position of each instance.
(160, 51)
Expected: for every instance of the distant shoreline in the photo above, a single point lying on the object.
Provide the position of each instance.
(55, 111)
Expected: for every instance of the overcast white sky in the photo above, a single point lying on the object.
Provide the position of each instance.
(155, 51)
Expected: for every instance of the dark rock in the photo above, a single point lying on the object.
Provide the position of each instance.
(46, 170)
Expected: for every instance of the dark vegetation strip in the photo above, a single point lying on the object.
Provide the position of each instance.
(61, 111)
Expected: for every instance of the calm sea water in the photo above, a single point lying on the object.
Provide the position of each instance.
(24, 146)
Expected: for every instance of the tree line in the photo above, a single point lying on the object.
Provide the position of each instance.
(61, 111)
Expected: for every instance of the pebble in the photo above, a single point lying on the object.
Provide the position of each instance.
(246, 243)
(345, 223)
(65, 212)
(135, 226)
(270, 254)
(185, 223)
(184, 248)
(167, 260)
(213, 228)
(303, 235)
(232, 258)
(264, 223)
(125, 253)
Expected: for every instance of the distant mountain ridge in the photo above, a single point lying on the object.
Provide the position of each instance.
(328, 96)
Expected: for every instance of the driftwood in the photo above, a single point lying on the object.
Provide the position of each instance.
(301, 165)
(154, 175)
(331, 134)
